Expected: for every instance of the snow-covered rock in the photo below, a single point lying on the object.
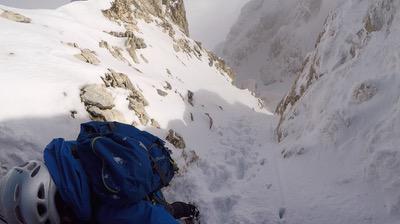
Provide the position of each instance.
(97, 95)
(270, 40)
(175, 139)
(16, 17)
(345, 101)
(134, 64)
(174, 10)
(88, 56)
(339, 126)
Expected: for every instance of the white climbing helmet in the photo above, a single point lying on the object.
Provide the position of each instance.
(27, 195)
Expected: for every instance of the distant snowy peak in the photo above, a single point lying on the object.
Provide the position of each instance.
(269, 32)
(270, 40)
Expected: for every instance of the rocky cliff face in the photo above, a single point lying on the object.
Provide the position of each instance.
(128, 42)
(345, 100)
(269, 42)
(128, 11)
(377, 20)
(338, 133)
(129, 61)
(177, 12)
(168, 13)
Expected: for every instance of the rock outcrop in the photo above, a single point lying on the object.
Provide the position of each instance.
(379, 18)
(221, 65)
(13, 16)
(167, 86)
(345, 101)
(97, 96)
(105, 115)
(137, 102)
(269, 42)
(124, 10)
(175, 139)
(176, 11)
(190, 98)
(132, 44)
(154, 123)
(88, 56)
(164, 13)
(99, 103)
(115, 51)
(161, 92)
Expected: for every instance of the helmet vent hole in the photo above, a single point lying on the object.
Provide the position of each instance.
(19, 170)
(41, 209)
(41, 193)
(35, 171)
(16, 193)
(19, 215)
(31, 166)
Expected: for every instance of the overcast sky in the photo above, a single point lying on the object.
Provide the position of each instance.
(209, 20)
(34, 4)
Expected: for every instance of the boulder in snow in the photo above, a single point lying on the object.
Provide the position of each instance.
(190, 96)
(364, 92)
(137, 102)
(98, 96)
(13, 16)
(116, 79)
(139, 109)
(175, 139)
(161, 92)
(105, 115)
(88, 56)
(154, 123)
(167, 86)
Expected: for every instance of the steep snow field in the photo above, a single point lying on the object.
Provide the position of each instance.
(337, 162)
(41, 86)
(342, 114)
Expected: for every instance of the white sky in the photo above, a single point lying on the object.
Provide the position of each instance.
(34, 4)
(209, 20)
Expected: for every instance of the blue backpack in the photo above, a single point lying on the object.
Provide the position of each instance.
(123, 164)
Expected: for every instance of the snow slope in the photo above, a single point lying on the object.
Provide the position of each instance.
(342, 112)
(341, 169)
(40, 97)
(268, 43)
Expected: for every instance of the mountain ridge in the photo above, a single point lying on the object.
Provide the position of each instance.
(67, 66)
